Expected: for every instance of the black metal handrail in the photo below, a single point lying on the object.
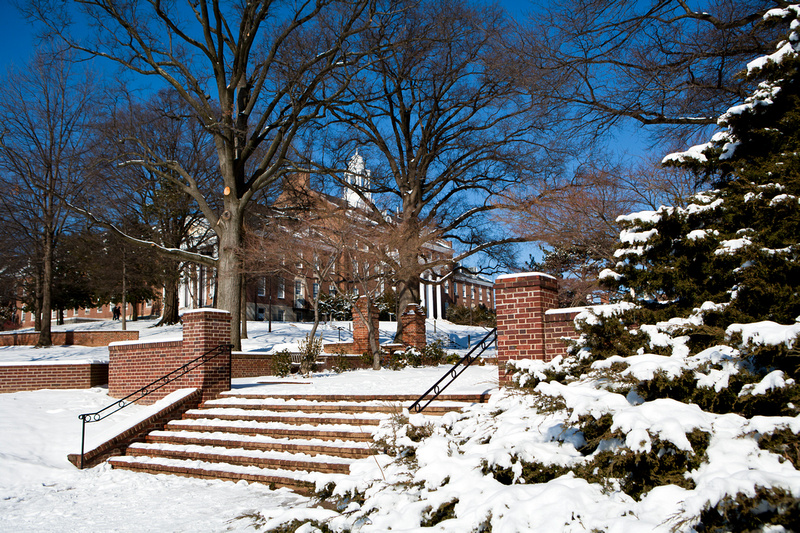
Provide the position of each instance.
(88, 418)
(454, 372)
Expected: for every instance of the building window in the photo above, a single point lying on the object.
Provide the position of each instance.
(332, 288)
(87, 311)
(355, 292)
(280, 316)
(262, 286)
(464, 285)
(316, 290)
(298, 289)
(281, 289)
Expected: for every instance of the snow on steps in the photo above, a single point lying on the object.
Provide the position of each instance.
(282, 441)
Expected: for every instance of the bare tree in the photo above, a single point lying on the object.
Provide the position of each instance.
(45, 114)
(297, 236)
(253, 74)
(670, 63)
(443, 127)
(574, 216)
(164, 212)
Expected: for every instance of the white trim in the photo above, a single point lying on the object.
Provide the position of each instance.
(525, 275)
(205, 309)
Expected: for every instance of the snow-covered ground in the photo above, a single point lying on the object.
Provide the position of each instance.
(516, 464)
(41, 491)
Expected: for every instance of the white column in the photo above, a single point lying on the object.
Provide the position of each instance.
(439, 302)
(430, 301)
(422, 294)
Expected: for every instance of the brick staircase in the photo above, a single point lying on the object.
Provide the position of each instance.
(282, 441)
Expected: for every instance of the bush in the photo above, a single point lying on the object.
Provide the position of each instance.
(433, 353)
(472, 316)
(341, 363)
(310, 348)
(282, 363)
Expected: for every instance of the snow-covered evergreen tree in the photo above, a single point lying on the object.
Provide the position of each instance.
(732, 251)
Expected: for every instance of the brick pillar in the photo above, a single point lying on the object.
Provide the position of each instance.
(521, 303)
(413, 319)
(204, 330)
(360, 331)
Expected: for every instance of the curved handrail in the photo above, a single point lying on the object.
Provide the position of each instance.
(153, 386)
(454, 372)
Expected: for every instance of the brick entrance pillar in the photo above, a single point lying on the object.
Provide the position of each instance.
(204, 330)
(521, 303)
(360, 331)
(413, 319)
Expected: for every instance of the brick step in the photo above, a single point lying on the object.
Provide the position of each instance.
(469, 398)
(286, 417)
(271, 429)
(437, 408)
(273, 478)
(243, 457)
(278, 440)
(348, 449)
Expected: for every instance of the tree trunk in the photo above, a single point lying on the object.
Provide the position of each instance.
(243, 304)
(316, 316)
(170, 313)
(374, 341)
(135, 309)
(124, 312)
(269, 307)
(230, 269)
(37, 301)
(45, 338)
(407, 294)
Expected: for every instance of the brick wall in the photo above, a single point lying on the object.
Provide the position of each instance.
(69, 338)
(413, 319)
(249, 365)
(132, 366)
(14, 378)
(560, 324)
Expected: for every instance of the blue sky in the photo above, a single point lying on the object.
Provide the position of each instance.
(16, 36)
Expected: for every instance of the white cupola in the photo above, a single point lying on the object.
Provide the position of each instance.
(357, 179)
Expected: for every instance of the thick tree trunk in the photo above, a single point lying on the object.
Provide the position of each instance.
(374, 341)
(230, 269)
(407, 294)
(170, 313)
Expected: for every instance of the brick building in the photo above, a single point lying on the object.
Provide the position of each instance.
(287, 293)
